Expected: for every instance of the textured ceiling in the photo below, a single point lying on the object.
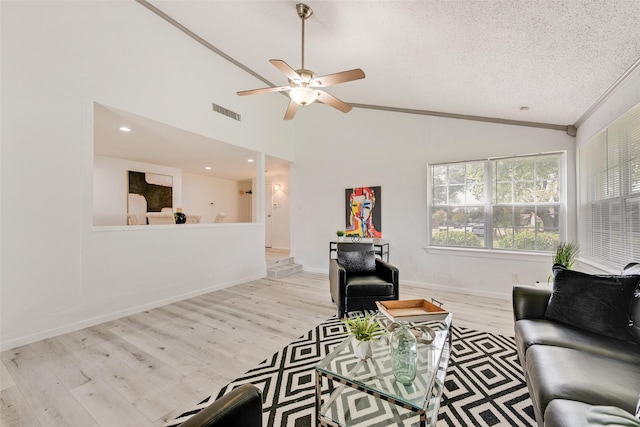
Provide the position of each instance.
(478, 58)
(481, 58)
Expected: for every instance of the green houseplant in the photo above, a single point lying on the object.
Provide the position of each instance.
(566, 254)
(340, 235)
(366, 331)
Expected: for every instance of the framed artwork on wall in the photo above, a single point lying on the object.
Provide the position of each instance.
(363, 212)
(149, 192)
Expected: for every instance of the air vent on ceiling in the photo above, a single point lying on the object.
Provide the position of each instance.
(219, 109)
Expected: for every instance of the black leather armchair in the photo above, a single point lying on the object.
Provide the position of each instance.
(358, 279)
(241, 407)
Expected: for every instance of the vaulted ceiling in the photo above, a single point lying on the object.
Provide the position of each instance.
(545, 62)
(465, 57)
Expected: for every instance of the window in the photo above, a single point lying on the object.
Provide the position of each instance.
(508, 203)
(609, 170)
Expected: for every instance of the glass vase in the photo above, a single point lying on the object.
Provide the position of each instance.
(404, 354)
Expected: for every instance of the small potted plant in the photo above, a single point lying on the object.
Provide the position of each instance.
(366, 331)
(340, 235)
(565, 255)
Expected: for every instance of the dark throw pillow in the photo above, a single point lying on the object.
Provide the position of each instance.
(634, 310)
(357, 261)
(634, 314)
(595, 303)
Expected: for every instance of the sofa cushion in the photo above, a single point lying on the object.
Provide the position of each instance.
(565, 373)
(566, 413)
(357, 261)
(530, 332)
(595, 303)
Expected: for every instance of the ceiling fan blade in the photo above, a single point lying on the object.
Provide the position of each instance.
(264, 90)
(334, 102)
(342, 77)
(286, 69)
(291, 110)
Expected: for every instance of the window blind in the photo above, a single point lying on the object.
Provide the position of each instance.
(609, 182)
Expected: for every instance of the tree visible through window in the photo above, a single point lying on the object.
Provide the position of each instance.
(508, 203)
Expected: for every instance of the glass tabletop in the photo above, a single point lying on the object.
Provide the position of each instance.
(376, 375)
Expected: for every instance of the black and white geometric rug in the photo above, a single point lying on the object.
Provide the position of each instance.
(484, 385)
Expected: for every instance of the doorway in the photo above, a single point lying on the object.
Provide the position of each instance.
(268, 214)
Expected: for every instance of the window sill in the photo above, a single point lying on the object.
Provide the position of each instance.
(146, 227)
(489, 253)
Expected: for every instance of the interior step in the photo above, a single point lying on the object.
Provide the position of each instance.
(282, 270)
(280, 262)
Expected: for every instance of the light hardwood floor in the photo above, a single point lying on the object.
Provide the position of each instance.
(147, 368)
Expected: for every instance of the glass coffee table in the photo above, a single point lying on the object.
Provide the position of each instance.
(353, 392)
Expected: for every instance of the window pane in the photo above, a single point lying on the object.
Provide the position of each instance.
(439, 175)
(438, 218)
(502, 170)
(523, 169)
(452, 226)
(456, 174)
(634, 176)
(633, 224)
(547, 175)
(504, 193)
(503, 225)
(525, 212)
(523, 192)
(440, 195)
(475, 183)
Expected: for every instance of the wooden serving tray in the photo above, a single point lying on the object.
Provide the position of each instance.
(413, 310)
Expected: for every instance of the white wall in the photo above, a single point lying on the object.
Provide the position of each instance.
(198, 192)
(281, 213)
(58, 58)
(392, 150)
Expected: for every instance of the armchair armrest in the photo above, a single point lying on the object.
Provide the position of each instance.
(241, 407)
(337, 279)
(530, 302)
(387, 271)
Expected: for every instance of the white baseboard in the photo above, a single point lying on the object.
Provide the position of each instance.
(456, 290)
(435, 286)
(50, 333)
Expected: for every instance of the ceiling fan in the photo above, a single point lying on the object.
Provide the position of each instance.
(304, 85)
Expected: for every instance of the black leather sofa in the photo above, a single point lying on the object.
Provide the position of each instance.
(574, 362)
(242, 407)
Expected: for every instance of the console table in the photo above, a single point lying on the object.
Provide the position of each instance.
(380, 247)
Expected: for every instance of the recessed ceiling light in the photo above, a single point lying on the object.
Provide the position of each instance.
(250, 160)
(524, 108)
(208, 168)
(125, 129)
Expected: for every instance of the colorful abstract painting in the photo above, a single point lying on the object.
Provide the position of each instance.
(363, 212)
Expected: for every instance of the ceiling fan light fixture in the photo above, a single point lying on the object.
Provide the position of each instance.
(303, 81)
(303, 95)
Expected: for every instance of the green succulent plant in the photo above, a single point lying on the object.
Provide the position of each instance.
(364, 328)
(339, 233)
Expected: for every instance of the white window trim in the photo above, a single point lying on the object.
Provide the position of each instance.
(491, 252)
